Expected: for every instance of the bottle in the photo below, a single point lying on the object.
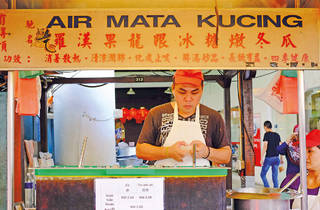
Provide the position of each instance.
(28, 191)
(34, 192)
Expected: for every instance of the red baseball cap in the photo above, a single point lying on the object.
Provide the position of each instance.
(190, 76)
(313, 138)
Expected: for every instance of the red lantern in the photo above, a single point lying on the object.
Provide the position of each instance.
(132, 113)
(138, 117)
(141, 115)
(125, 114)
(144, 113)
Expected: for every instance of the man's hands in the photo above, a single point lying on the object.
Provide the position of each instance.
(180, 149)
(177, 151)
(201, 149)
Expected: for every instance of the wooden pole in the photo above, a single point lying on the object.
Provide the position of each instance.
(248, 129)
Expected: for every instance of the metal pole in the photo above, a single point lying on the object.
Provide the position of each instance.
(302, 134)
(43, 119)
(10, 141)
(10, 130)
(302, 139)
(12, 4)
(227, 118)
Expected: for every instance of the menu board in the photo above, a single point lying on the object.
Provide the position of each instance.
(129, 193)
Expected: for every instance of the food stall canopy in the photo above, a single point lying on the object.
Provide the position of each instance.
(71, 4)
(242, 38)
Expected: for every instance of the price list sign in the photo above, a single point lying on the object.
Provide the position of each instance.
(129, 193)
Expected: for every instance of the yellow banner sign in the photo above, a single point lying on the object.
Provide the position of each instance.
(159, 39)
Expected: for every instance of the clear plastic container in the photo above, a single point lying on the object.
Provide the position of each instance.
(28, 192)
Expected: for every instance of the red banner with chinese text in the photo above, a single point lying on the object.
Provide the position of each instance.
(159, 39)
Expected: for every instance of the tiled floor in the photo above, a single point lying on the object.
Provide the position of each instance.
(236, 182)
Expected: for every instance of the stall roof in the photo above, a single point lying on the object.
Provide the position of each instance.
(61, 4)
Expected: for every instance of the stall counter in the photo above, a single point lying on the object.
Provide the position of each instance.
(70, 187)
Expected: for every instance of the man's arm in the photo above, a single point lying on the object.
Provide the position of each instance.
(220, 152)
(264, 149)
(220, 156)
(147, 151)
(282, 148)
(216, 156)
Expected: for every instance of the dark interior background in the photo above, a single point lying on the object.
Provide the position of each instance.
(144, 97)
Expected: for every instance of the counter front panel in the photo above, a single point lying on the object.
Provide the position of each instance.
(184, 188)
